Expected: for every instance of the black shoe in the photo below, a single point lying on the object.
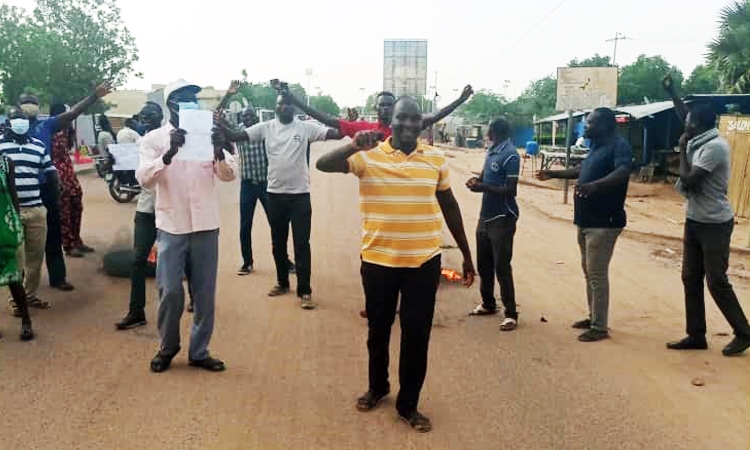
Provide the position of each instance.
(738, 346)
(370, 400)
(689, 343)
(75, 253)
(291, 267)
(83, 248)
(584, 324)
(132, 320)
(245, 270)
(417, 421)
(278, 291)
(64, 286)
(27, 333)
(593, 335)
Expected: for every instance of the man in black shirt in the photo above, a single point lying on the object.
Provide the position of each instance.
(599, 212)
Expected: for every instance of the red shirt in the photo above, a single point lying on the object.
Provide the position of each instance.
(348, 128)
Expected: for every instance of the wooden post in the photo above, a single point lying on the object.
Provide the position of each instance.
(568, 143)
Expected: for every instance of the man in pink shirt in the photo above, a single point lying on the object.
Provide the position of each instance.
(187, 220)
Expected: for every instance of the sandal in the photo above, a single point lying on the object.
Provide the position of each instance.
(210, 364)
(480, 310)
(370, 400)
(417, 421)
(161, 361)
(508, 324)
(14, 309)
(27, 333)
(38, 303)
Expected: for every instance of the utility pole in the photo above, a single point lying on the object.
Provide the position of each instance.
(618, 37)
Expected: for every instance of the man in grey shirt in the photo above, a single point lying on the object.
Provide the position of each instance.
(704, 181)
(287, 148)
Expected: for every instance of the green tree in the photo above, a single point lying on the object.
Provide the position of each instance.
(325, 103)
(642, 80)
(539, 97)
(64, 48)
(262, 95)
(703, 80)
(482, 107)
(595, 61)
(729, 52)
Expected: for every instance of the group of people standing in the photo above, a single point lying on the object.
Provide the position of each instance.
(41, 201)
(405, 197)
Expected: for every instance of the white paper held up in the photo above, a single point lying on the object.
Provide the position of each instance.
(198, 147)
(127, 156)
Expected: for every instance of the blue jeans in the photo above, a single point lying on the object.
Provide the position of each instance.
(250, 193)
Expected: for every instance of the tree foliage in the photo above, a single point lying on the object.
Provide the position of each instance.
(703, 80)
(262, 95)
(63, 48)
(325, 103)
(641, 81)
(729, 52)
(595, 61)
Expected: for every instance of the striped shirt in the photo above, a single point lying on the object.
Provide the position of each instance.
(401, 219)
(31, 160)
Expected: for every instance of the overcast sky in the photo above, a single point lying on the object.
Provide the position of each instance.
(479, 42)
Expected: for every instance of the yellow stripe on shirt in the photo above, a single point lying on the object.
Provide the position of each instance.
(402, 221)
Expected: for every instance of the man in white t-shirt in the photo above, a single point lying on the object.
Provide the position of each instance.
(287, 148)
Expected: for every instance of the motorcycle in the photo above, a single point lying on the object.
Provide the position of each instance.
(123, 187)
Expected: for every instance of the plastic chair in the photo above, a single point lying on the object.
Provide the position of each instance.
(532, 149)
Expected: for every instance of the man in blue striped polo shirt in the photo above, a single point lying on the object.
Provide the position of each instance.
(30, 160)
(497, 223)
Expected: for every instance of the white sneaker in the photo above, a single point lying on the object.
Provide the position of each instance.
(306, 302)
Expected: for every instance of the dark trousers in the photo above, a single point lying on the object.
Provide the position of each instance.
(494, 255)
(418, 288)
(250, 194)
(706, 250)
(53, 251)
(144, 237)
(296, 209)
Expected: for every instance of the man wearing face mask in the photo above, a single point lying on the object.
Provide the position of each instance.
(44, 130)
(31, 162)
(287, 141)
(187, 220)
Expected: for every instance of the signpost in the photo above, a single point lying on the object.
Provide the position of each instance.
(580, 88)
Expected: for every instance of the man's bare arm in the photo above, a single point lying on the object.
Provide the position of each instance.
(429, 120)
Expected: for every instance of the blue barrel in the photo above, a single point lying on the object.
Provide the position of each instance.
(532, 148)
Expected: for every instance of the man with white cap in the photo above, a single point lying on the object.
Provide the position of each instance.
(187, 219)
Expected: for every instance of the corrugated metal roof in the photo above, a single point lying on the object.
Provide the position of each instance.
(640, 111)
(563, 116)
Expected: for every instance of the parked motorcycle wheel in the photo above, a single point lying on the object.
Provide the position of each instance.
(118, 195)
(100, 170)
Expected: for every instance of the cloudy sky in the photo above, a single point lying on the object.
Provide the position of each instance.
(480, 42)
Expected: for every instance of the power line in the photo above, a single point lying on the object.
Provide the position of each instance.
(618, 37)
(524, 36)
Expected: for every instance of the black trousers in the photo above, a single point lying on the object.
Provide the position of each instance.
(494, 255)
(418, 288)
(706, 250)
(54, 249)
(296, 209)
(144, 236)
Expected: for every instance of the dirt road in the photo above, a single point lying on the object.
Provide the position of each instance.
(293, 375)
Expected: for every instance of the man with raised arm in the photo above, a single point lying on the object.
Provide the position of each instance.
(401, 248)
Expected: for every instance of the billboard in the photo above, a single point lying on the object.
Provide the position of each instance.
(405, 67)
(581, 88)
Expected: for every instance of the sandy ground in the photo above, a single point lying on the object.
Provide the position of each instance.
(293, 375)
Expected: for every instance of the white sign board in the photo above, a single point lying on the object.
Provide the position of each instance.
(405, 67)
(586, 88)
(198, 147)
(127, 156)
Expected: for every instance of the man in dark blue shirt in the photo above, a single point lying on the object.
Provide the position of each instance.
(44, 130)
(599, 212)
(497, 223)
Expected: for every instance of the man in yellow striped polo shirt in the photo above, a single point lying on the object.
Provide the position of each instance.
(404, 195)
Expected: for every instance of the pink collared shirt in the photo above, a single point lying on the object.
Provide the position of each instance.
(187, 196)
